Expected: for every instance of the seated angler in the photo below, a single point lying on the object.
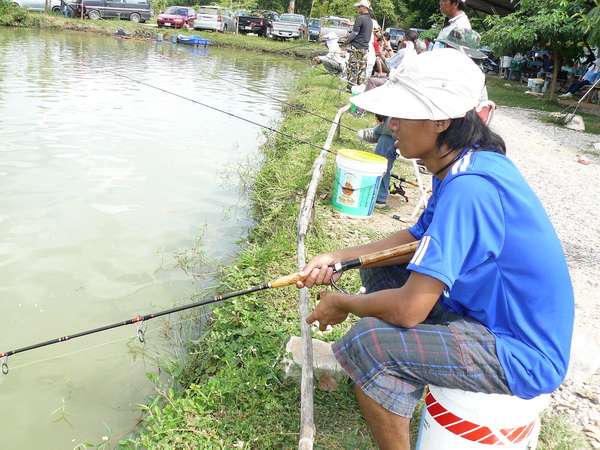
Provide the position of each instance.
(485, 304)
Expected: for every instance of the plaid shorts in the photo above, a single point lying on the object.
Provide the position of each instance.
(392, 365)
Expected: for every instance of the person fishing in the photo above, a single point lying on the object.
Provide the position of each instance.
(335, 60)
(485, 303)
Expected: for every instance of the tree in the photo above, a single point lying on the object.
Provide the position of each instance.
(559, 26)
(593, 25)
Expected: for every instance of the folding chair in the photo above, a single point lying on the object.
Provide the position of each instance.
(485, 111)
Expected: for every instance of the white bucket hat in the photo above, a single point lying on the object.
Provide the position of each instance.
(365, 3)
(437, 85)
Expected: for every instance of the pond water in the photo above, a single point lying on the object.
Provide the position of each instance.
(106, 186)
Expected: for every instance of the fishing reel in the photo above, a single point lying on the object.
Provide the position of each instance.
(396, 188)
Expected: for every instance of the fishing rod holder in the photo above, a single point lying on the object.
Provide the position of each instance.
(5, 365)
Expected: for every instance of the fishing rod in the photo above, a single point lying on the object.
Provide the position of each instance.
(223, 111)
(282, 101)
(287, 280)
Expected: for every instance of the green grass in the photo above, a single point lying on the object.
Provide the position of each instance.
(512, 93)
(232, 391)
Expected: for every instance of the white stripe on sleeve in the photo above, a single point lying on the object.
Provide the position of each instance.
(420, 253)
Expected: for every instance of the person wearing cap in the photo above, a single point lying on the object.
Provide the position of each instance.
(359, 41)
(485, 303)
(454, 10)
(334, 61)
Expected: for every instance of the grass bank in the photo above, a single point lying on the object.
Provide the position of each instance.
(17, 17)
(232, 392)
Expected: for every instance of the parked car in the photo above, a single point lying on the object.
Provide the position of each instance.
(37, 5)
(259, 21)
(215, 18)
(337, 25)
(134, 10)
(396, 35)
(176, 17)
(314, 29)
(290, 26)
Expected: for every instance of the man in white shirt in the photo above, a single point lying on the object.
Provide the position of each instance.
(334, 61)
(454, 10)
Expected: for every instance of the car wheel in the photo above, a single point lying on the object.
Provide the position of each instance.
(135, 17)
(56, 10)
(94, 15)
(16, 5)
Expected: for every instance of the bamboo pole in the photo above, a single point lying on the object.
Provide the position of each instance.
(307, 423)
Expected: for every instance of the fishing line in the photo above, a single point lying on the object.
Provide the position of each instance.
(279, 282)
(281, 101)
(224, 112)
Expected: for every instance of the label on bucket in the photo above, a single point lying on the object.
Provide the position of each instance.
(357, 179)
(354, 194)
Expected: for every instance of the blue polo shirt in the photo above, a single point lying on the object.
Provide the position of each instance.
(487, 237)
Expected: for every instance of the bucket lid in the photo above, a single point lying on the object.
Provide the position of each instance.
(360, 156)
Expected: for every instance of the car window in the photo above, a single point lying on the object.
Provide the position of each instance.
(292, 18)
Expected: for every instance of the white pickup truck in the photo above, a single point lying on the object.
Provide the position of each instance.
(337, 25)
(290, 26)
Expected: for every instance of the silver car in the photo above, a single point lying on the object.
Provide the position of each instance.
(215, 18)
(37, 5)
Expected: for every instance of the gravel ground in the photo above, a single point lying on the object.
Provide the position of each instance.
(547, 155)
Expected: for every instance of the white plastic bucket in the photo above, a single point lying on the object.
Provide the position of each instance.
(355, 91)
(506, 62)
(357, 179)
(530, 82)
(459, 420)
(537, 85)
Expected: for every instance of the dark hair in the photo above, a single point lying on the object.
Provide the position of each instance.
(386, 35)
(412, 35)
(470, 132)
(461, 7)
(461, 4)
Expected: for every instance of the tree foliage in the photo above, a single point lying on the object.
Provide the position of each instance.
(593, 25)
(554, 25)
